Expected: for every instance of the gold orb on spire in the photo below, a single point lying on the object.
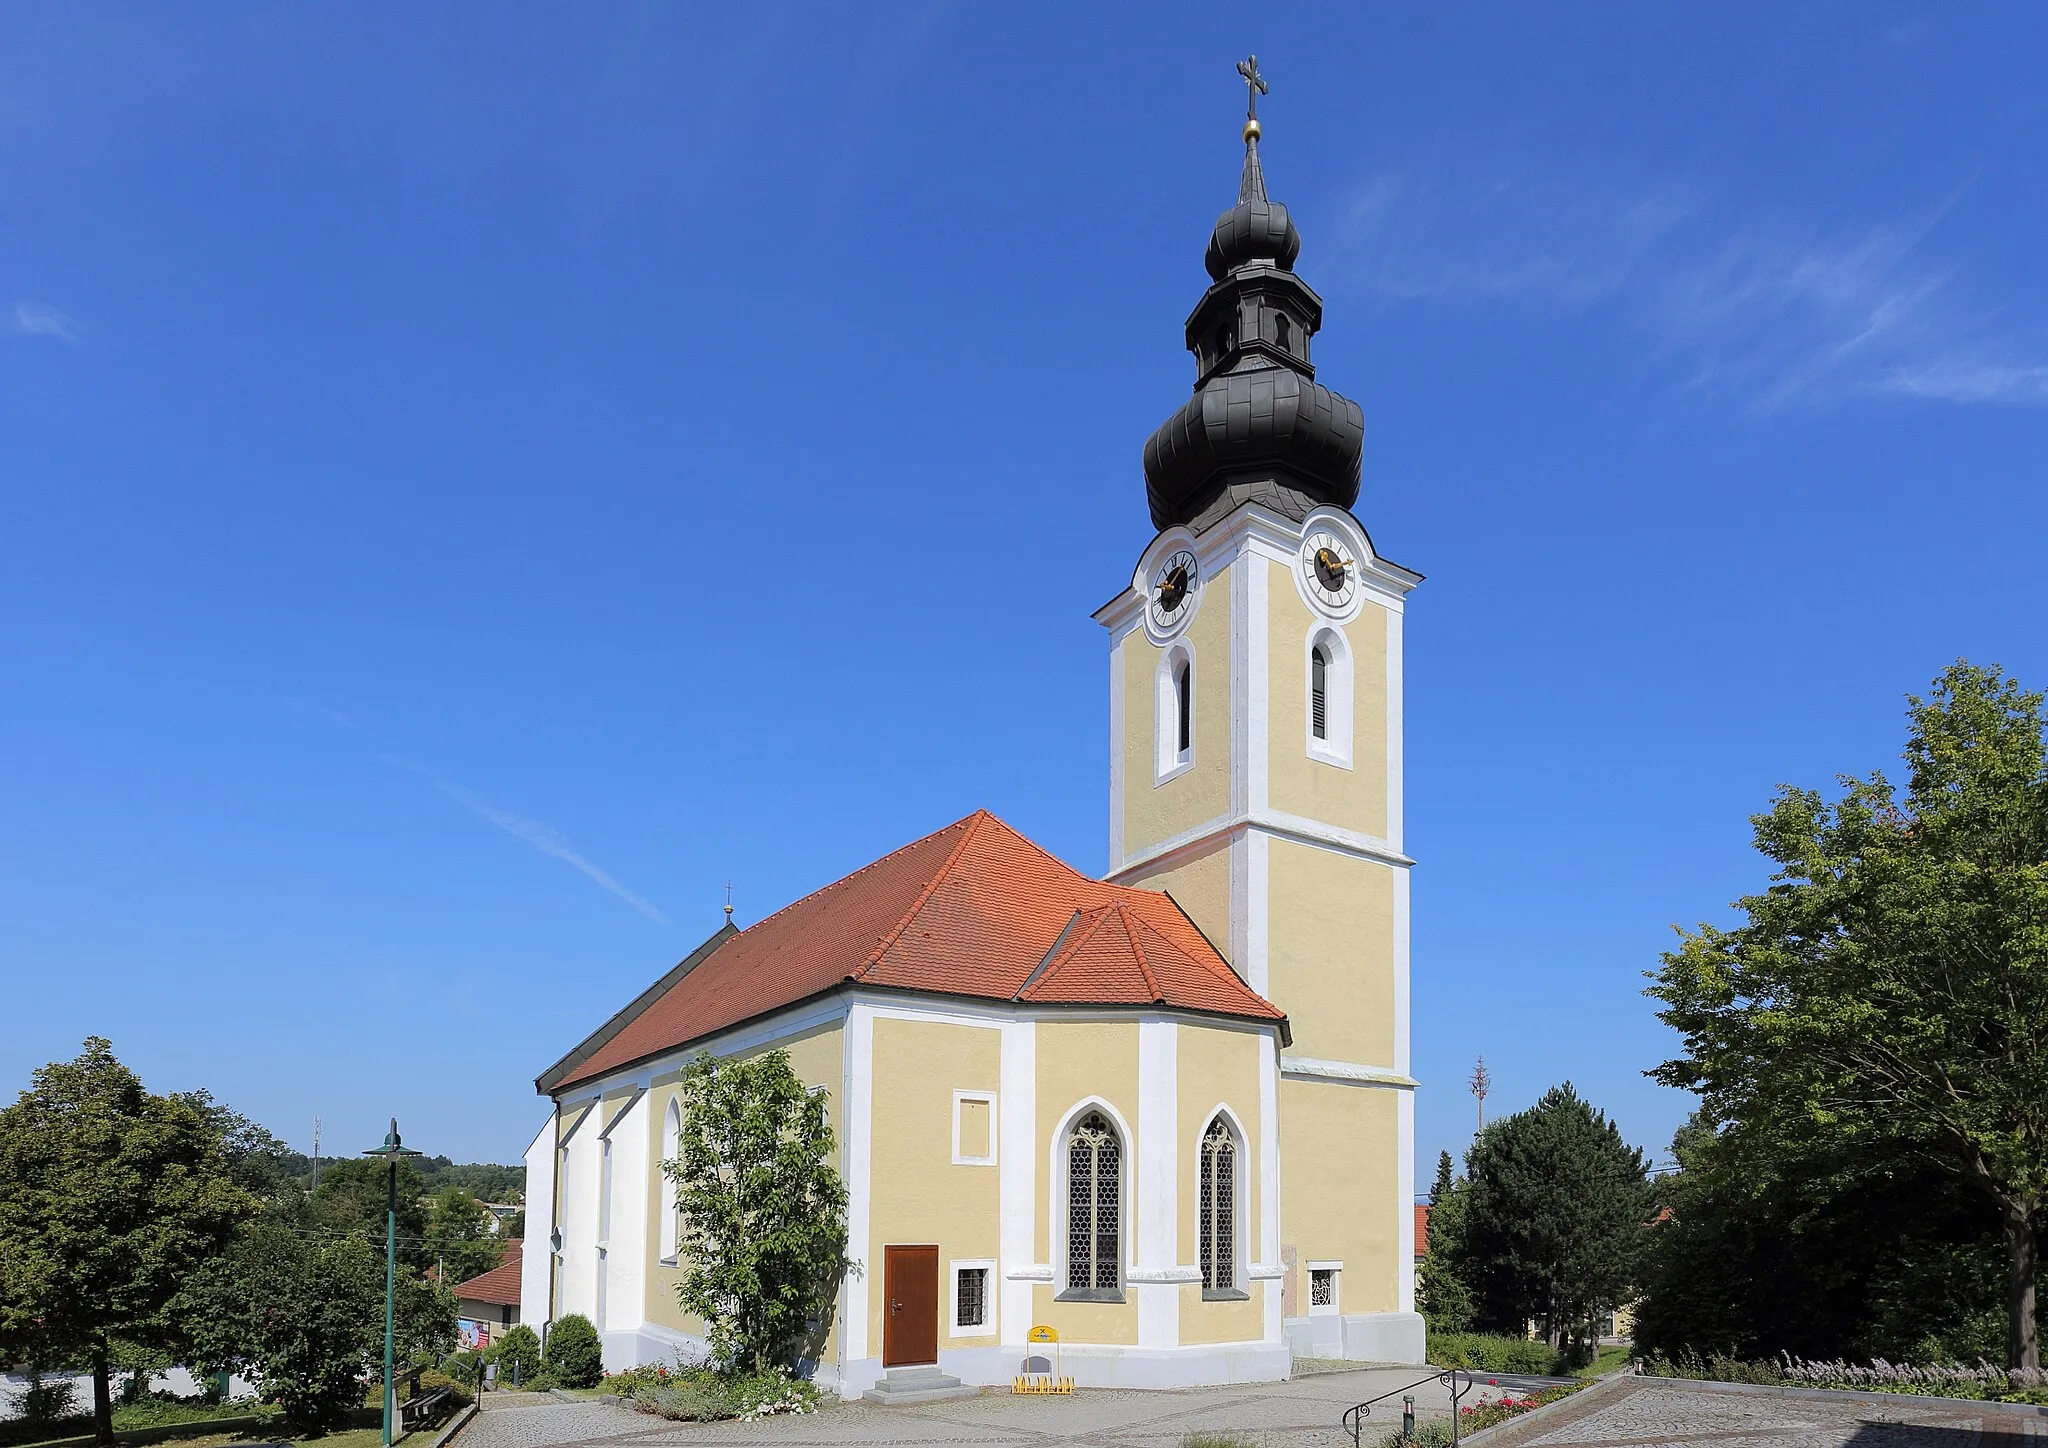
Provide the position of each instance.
(1251, 130)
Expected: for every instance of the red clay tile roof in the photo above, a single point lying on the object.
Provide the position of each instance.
(1422, 1229)
(972, 910)
(499, 1285)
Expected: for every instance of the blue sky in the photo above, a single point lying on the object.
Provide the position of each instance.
(476, 479)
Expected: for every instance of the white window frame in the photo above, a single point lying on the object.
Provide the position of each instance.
(1337, 695)
(1240, 1205)
(1169, 760)
(671, 1215)
(989, 1099)
(1056, 1179)
(986, 1327)
(1335, 1305)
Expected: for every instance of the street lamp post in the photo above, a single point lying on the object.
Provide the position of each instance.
(391, 1151)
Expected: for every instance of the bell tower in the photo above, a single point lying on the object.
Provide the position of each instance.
(1255, 760)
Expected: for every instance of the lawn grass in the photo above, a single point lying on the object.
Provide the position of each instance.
(365, 1430)
(1609, 1360)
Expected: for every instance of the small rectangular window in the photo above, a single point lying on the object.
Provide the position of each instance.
(1322, 1287)
(970, 1297)
(973, 1128)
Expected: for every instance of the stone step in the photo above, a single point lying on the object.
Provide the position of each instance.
(917, 1385)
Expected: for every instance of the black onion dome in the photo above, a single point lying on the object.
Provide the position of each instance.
(1248, 428)
(1259, 427)
(1252, 231)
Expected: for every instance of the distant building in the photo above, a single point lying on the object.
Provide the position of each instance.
(486, 1305)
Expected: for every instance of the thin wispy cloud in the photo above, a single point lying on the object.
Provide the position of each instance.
(542, 837)
(33, 319)
(1771, 312)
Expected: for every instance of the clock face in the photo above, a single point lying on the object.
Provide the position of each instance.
(1173, 590)
(1329, 566)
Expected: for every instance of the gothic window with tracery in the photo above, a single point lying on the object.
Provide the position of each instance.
(1218, 1223)
(1094, 1197)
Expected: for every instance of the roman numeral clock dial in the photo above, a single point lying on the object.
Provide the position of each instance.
(1173, 590)
(1330, 570)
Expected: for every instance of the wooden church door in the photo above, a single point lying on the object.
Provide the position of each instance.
(910, 1322)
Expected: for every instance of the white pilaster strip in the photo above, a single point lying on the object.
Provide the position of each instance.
(858, 1067)
(1258, 667)
(1256, 961)
(1269, 1177)
(1402, 1022)
(1117, 706)
(1016, 1189)
(1395, 769)
(626, 1246)
(1404, 1202)
(1155, 1246)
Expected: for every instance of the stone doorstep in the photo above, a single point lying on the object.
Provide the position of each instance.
(917, 1385)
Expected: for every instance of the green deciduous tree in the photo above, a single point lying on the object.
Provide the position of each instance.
(461, 1235)
(1888, 994)
(302, 1312)
(1550, 1220)
(763, 1210)
(1848, 1255)
(109, 1198)
(351, 1196)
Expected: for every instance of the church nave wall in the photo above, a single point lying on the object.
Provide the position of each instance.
(1084, 1061)
(1219, 1067)
(918, 1193)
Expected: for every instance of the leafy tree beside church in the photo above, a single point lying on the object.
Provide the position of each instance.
(1885, 1000)
(763, 1212)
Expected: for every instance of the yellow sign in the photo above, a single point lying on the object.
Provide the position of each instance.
(1043, 1334)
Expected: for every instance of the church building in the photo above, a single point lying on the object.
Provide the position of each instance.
(1167, 1112)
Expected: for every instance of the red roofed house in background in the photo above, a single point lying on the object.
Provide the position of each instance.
(1167, 1112)
(488, 1303)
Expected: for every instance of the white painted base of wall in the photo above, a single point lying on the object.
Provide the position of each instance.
(1093, 1366)
(1366, 1337)
(647, 1343)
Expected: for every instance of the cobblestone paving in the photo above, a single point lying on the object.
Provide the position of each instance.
(1300, 1414)
(1647, 1411)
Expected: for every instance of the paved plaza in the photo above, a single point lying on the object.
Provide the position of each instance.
(1305, 1413)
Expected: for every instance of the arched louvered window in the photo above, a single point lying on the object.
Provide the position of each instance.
(1283, 331)
(1319, 693)
(1218, 1223)
(1184, 707)
(1094, 1207)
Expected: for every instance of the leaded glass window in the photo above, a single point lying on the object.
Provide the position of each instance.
(1219, 1207)
(1094, 1198)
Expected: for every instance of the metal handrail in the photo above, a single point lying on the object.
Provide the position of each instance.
(1355, 1416)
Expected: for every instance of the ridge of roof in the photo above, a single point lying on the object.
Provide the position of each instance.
(1052, 953)
(868, 868)
(973, 822)
(1138, 950)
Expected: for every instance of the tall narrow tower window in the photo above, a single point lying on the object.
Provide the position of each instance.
(1283, 331)
(1183, 708)
(1319, 693)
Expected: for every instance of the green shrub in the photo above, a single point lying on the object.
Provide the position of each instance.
(42, 1401)
(696, 1393)
(519, 1348)
(1484, 1353)
(573, 1356)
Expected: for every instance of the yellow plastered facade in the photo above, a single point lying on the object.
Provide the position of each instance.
(1330, 954)
(816, 1054)
(1331, 1197)
(917, 1194)
(1298, 783)
(1080, 1061)
(1217, 1069)
(1201, 793)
